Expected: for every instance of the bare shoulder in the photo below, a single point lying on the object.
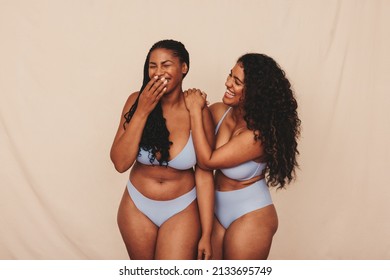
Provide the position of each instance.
(126, 108)
(130, 101)
(217, 110)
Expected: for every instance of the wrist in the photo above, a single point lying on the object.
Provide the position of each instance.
(206, 235)
(195, 111)
(140, 115)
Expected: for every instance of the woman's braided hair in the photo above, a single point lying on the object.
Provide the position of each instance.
(155, 137)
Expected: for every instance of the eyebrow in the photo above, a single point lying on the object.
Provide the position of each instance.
(165, 61)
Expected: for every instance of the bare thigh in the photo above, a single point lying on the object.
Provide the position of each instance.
(139, 233)
(250, 236)
(178, 237)
(217, 237)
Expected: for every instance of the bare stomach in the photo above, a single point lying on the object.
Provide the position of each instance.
(160, 182)
(223, 183)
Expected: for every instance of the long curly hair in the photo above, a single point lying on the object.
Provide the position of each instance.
(271, 112)
(155, 136)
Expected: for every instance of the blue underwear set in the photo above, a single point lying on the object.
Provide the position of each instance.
(231, 205)
(158, 211)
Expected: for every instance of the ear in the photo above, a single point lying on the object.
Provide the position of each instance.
(184, 68)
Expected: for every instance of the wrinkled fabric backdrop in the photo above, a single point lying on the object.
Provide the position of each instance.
(67, 67)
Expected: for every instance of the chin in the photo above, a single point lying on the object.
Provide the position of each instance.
(228, 101)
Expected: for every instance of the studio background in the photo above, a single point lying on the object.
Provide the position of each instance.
(67, 67)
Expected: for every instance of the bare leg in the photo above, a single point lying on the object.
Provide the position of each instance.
(250, 236)
(217, 240)
(178, 237)
(138, 231)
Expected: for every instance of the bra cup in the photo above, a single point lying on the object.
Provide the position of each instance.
(186, 158)
(143, 157)
(183, 161)
(244, 171)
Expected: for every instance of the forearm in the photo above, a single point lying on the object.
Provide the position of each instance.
(205, 197)
(125, 150)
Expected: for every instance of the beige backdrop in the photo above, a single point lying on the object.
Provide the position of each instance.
(67, 67)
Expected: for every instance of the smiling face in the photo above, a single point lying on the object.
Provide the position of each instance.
(163, 63)
(234, 86)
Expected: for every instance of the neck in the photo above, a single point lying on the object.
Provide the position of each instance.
(173, 99)
(238, 115)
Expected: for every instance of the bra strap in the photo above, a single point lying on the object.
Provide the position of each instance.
(221, 120)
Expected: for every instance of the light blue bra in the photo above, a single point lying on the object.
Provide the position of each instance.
(186, 159)
(243, 171)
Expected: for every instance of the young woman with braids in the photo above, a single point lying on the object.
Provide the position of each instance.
(256, 148)
(166, 210)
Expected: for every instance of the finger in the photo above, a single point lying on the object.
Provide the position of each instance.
(161, 93)
(153, 84)
(158, 86)
(200, 254)
(163, 85)
(152, 81)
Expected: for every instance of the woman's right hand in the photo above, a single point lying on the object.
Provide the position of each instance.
(151, 94)
(195, 99)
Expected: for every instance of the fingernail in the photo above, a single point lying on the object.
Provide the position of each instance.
(166, 81)
(156, 77)
(163, 78)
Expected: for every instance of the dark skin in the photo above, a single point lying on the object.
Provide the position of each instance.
(187, 234)
(249, 236)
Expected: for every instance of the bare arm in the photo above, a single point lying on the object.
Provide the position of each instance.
(205, 193)
(205, 196)
(239, 149)
(125, 147)
(195, 102)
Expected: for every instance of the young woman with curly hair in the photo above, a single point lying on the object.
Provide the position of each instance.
(166, 210)
(256, 148)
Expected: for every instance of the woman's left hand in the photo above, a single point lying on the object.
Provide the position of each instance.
(195, 98)
(204, 249)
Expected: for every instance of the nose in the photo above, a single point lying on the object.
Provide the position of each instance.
(159, 72)
(228, 82)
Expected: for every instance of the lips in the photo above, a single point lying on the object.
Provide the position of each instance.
(165, 78)
(229, 94)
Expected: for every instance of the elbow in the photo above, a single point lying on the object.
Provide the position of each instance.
(121, 168)
(205, 166)
(120, 165)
